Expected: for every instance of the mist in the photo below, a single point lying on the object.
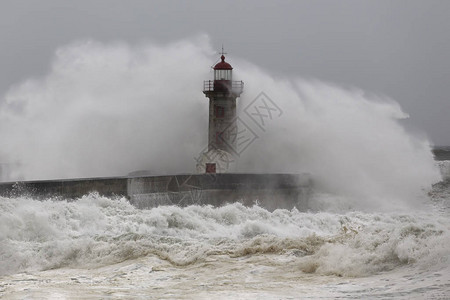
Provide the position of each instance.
(107, 109)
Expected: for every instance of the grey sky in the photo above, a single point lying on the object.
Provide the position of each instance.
(397, 48)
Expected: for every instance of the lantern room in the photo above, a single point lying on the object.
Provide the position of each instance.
(223, 81)
(222, 70)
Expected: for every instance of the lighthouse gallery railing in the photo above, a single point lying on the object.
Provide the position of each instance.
(236, 86)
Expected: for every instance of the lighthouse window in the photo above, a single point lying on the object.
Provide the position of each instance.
(219, 111)
(222, 75)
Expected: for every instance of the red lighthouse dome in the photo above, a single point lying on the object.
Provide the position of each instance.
(223, 65)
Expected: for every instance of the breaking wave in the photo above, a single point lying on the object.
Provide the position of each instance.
(96, 231)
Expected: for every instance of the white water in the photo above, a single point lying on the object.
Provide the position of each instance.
(96, 247)
(100, 247)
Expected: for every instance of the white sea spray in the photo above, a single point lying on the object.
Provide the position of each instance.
(107, 109)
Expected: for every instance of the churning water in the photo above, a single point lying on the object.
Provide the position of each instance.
(97, 247)
(375, 229)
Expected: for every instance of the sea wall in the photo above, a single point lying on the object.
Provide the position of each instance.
(268, 190)
(65, 188)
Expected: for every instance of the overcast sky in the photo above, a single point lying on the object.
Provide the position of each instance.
(397, 48)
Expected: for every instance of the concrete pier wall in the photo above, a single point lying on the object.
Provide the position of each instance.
(68, 188)
(268, 190)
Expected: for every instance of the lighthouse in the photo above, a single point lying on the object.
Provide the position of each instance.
(222, 93)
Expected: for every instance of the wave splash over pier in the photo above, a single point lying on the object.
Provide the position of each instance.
(375, 227)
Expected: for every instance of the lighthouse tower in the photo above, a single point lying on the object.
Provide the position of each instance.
(222, 93)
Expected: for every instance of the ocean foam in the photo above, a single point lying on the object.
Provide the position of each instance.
(96, 231)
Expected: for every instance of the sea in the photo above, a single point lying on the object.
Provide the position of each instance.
(104, 248)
